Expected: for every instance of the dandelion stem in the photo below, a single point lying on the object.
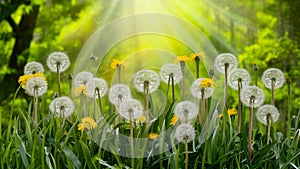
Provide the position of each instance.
(36, 102)
(182, 65)
(70, 85)
(273, 84)
(250, 149)
(99, 100)
(119, 73)
(146, 93)
(239, 104)
(255, 71)
(269, 127)
(169, 81)
(85, 105)
(202, 108)
(58, 77)
(226, 85)
(173, 89)
(131, 139)
(255, 68)
(186, 153)
(204, 156)
(288, 133)
(197, 60)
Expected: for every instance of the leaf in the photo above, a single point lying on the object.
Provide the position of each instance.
(22, 151)
(86, 154)
(106, 164)
(72, 157)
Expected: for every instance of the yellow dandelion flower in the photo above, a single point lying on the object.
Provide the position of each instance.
(199, 55)
(81, 90)
(153, 136)
(24, 79)
(231, 112)
(141, 119)
(182, 58)
(87, 123)
(80, 127)
(207, 82)
(174, 120)
(115, 63)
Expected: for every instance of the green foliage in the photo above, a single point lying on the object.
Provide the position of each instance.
(57, 143)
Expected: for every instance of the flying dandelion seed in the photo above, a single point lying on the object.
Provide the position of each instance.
(184, 132)
(252, 92)
(131, 108)
(275, 75)
(33, 67)
(119, 93)
(62, 107)
(170, 70)
(58, 60)
(185, 110)
(146, 75)
(96, 84)
(239, 74)
(267, 110)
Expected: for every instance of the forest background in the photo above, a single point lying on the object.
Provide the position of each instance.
(266, 32)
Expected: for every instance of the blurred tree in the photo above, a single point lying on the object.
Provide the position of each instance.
(22, 32)
(34, 28)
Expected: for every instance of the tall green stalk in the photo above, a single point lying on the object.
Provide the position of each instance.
(250, 148)
(182, 67)
(36, 103)
(186, 153)
(288, 130)
(146, 99)
(58, 78)
(226, 86)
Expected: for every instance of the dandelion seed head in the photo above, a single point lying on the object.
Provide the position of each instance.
(185, 110)
(196, 90)
(237, 74)
(62, 107)
(131, 108)
(58, 58)
(267, 110)
(185, 131)
(146, 75)
(33, 67)
(252, 92)
(225, 58)
(273, 74)
(36, 83)
(119, 93)
(82, 78)
(170, 70)
(94, 85)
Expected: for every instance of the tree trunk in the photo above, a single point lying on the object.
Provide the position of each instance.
(23, 37)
